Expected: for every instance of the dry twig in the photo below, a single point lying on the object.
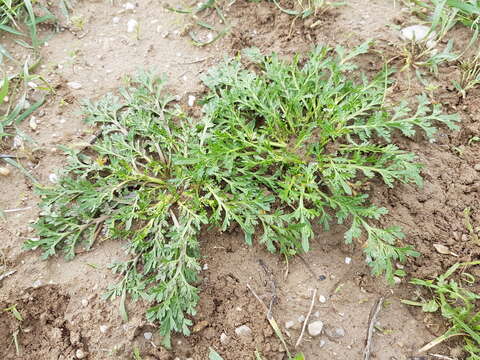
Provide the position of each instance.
(371, 323)
(306, 318)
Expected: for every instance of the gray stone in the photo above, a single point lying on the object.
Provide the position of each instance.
(148, 335)
(315, 328)
(243, 331)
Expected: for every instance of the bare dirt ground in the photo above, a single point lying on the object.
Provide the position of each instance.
(64, 315)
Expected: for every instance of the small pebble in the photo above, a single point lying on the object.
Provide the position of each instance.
(4, 171)
(80, 354)
(132, 25)
(37, 283)
(74, 85)
(289, 324)
(315, 328)
(191, 100)
(348, 260)
(33, 123)
(301, 319)
(322, 299)
(53, 178)
(243, 331)
(224, 339)
(322, 343)
(128, 6)
(103, 328)
(32, 84)
(148, 335)
(84, 302)
(397, 280)
(205, 266)
(116, 20)
(477, 167)
(340, 332)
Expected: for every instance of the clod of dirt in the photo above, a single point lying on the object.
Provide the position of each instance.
(315, 328)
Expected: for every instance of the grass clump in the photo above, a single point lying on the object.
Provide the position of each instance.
(456, 304)
(277, 150)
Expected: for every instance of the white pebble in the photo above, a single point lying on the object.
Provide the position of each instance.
(205, 267)
(53, 178)
(289, 324)
(33, 123)
(132, 25)
(315, 328)
(37, 283)
(103, 328)
(322, 299)
(348, 260)
(301, 319)
(148, 335)
(84, 302)
(224, 339)
(128, 6)
(116, 20)
(74, 85)
(191, 100)
(32, 84)
(80, 354)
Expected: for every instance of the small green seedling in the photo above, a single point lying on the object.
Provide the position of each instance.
(457, 306)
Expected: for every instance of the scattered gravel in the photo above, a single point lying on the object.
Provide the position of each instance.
(315, 328)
